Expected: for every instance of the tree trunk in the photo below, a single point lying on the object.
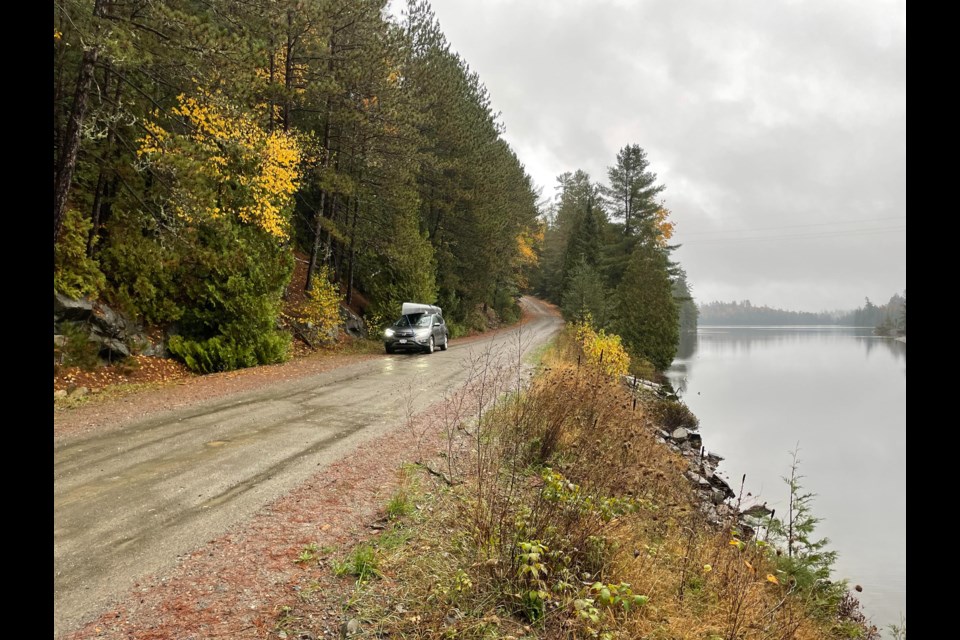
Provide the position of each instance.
(339, 250)
(318, 224)
(63, 176)
(317, 230)
(287, 72)
(100, 191)
(350, 257)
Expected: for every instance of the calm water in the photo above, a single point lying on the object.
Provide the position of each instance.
(838, 393)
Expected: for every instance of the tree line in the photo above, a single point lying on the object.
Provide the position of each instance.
(606, 259)
(891, 315)
(201, 147)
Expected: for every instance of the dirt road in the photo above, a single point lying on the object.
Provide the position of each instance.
(128, 501)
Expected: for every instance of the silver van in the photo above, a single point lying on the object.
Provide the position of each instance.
(420, 327)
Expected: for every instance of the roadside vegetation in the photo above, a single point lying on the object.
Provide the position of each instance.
(206, 153)
(556, 512)
(202, 149)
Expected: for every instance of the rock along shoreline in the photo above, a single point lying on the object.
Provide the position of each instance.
(718, 501)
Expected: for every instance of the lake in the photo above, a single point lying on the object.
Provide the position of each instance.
(839, 395)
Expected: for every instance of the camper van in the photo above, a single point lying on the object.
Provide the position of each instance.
(420, 327)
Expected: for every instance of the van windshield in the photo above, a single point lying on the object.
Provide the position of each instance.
(413, 320)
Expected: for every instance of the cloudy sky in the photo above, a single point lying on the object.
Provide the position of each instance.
(778, 127)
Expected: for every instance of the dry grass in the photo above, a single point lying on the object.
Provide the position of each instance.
(560, 515)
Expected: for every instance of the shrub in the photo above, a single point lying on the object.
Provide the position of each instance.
(673, 414)
(232, 301)
(456, 329)
(602, 350)
(505, 304)
(322, 307)
(221, 353)
(74, 274)
(143, 272)
(78, 350)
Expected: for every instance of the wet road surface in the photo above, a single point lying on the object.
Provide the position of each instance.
(129, 501)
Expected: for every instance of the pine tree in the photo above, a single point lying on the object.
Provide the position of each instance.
(646, 314)
(633, 191)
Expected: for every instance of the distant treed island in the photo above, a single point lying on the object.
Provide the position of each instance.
(889, 317)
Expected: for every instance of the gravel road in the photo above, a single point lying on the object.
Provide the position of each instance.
(129, 500)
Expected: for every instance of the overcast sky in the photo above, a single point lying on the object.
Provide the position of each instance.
(778, 127)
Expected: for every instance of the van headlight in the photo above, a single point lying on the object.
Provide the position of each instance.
(388, 332)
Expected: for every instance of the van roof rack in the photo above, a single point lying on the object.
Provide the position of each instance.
(415, 307)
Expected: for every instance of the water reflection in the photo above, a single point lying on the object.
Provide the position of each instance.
(896, 348)
(687, 346)
(738, 341)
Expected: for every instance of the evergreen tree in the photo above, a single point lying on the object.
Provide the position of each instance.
(576, 230)
(586, 296)
(633, 190)
(646, 314)
(687, 308)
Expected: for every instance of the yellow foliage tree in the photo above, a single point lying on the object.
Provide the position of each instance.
(602, 350)
(664, 225)
(527, 256)
(322, 308)
(224, 163)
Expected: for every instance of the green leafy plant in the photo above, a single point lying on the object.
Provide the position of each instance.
(362, 562)
(618, 596)
(308, 554)
(532, 573)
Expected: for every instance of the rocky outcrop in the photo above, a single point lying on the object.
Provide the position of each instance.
(314, 337)
(115, 335)
(639, 384)
(352, 323)
(716, 497)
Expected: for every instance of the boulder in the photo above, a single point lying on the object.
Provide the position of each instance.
(111, 331)
(110, 323)
(679, 434)
(111, 348)
(710, 511)
(756, 511)
(67, 308)
(352, 323)
(697, 479)
(722, 485)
